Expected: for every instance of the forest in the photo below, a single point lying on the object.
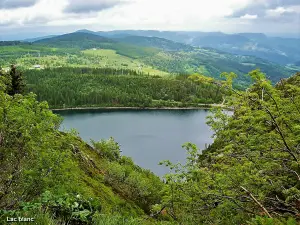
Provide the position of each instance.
(249, 175)
(100, 87)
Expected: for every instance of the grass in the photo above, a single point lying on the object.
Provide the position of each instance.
(87, 58)
(110, 58)
(26, 56)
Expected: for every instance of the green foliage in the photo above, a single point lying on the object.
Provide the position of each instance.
(128, 179)
(251, 169)
(270, 221)
(120, 220)
(108, 149)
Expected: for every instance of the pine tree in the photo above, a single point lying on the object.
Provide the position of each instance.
(17, 84)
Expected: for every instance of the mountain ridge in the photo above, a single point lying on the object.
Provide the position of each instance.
(281, 50)
(159, 54)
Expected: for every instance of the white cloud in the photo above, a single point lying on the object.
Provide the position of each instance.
(249, 17)
(160, 14)
(44, 10)
(279, 11)
(211, 15)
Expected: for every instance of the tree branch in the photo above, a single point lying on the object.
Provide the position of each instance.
(257, 202)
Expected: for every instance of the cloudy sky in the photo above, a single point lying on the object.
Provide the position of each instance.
(230, 16)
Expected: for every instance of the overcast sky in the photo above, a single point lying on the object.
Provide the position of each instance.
(230, 16)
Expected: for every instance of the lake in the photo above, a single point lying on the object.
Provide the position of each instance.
(147, 136)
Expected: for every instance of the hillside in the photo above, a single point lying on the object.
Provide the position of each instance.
(56, 178)
(208, 61)
(38, 38)
(75, 40)
(156, 56)
(277, 50)
(84, 40)
(211, 62)
(155, 42)
(51, 173)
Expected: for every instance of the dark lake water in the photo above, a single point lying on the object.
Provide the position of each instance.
(147, 136)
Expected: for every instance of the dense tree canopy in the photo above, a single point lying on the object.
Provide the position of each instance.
(79, 87)
(252, 168)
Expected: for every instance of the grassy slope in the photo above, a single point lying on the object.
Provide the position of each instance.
(109, 58)
(91, 171)
(98, 179)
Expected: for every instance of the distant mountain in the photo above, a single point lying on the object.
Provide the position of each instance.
(38, 38)
(146, 40)
(155, 42)
(278, 50)
(87, 40)
(173, 57)
(212, 63)
(86, 31)
(80, 40)
(253, 36)
(216, 40)
(170, 35)
(51, 36)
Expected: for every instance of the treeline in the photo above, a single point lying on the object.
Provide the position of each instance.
(10, 43)
(83, 87)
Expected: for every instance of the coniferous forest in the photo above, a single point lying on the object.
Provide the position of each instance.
(86, 87)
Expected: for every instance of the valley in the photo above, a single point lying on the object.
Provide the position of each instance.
(150, 128)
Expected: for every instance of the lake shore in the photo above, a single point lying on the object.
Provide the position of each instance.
(202, 106)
